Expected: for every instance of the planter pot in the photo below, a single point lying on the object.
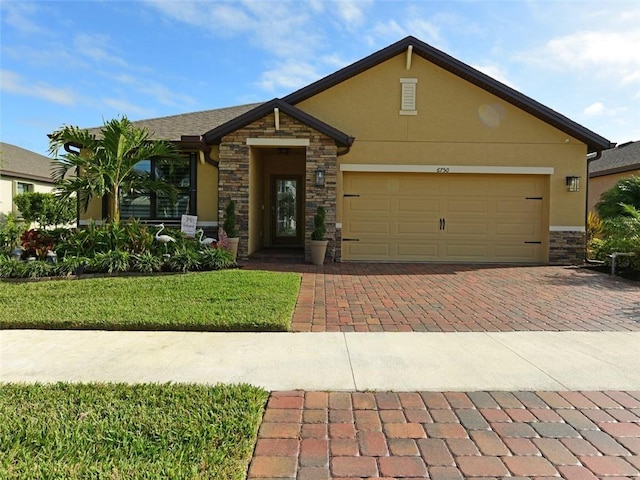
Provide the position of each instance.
(233, 246)
(318, 251)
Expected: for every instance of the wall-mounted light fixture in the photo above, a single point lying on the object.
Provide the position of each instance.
(573, 184)
(319, 178)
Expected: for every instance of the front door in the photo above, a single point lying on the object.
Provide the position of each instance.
(286, 210)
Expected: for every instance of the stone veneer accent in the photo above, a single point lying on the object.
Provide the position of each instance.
(567, 248)
(234, 176)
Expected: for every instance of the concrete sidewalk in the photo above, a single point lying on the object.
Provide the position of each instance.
(512, 361)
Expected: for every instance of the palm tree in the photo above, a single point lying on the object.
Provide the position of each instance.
(105, 163)
(625, 192)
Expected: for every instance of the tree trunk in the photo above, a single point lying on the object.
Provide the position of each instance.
(115, 205)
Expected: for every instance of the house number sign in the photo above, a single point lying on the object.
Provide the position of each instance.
(442, 170)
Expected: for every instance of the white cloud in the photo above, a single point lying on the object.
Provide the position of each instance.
(96, 48)
(126, 108)
(352, 11)
(17, 15)
(159, 92)
(496, 72)
(609, 54)
(594, 109)
(288, 76)
(12, 82)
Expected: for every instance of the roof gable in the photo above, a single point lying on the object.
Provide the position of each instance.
(594, 141)
(215, 135)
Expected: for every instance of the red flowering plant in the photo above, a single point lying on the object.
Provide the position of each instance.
(36, 244)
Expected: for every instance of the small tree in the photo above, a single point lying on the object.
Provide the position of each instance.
(105, 163)
(45, 209)
(320, 230)
(229, 224)
(625, 192)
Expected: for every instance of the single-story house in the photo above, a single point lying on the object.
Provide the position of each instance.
(415, 156)
(614, 164)
(21, 171)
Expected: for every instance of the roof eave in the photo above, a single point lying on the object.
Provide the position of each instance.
(214, 137)
(594, 142)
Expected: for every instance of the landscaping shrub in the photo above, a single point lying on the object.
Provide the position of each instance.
(11, 268)
(71, 265)
(625, 192)
(184, 260)
(109, 262)
(146, 262)
(37, 269)
(10, 230)
(36, 243)
(618, 234)
(46, 209)
(216, 259)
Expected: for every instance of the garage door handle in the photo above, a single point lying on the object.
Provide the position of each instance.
(442, 223)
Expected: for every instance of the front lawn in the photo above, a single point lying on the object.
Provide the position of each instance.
(223, 300)
(116, 431)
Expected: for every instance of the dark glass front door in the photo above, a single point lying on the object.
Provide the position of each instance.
(286, 211)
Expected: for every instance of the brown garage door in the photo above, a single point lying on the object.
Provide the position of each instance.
(439, 217)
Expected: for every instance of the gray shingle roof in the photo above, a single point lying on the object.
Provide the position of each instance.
(175, 126)
(623, 158)
(21, 163)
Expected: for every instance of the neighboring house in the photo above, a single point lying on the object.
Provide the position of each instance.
(21, 171)
(415, 155)
(615, 164)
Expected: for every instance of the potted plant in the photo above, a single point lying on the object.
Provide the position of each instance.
(229, 227)
(318, 243)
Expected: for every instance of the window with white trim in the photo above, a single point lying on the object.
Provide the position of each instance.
(20, 187)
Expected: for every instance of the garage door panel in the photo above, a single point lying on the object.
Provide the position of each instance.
(521, 229)
(416, 251)
(418, 206)
(372, 206)
(518, 206)
(367, 250)
(410, 227)
(435, 217)
(467, 206)
(368, 227)
(524, 251)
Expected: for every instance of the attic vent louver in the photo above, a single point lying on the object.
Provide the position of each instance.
(408, 100)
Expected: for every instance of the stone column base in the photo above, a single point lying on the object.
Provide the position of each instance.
(567, 247)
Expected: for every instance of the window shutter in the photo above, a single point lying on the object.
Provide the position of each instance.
(408, 100)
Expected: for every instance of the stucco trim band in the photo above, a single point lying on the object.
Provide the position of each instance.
(557, 228)
(278, 142)
(443, 169)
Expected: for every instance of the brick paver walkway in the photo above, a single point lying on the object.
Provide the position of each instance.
(452, 435)
(459, 298)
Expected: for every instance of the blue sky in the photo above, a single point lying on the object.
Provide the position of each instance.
(82, 62)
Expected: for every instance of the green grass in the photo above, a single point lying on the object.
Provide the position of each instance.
(116, 431)
(224, 300)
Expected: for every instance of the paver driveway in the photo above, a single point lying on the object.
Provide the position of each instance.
(458, 298)
(454, 435)
(450, 435)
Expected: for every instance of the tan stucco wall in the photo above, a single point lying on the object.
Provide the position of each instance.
(207, 187)
(457, 123)
(599, 185)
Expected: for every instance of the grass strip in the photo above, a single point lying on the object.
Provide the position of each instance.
(224, 300)
(117, 431)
